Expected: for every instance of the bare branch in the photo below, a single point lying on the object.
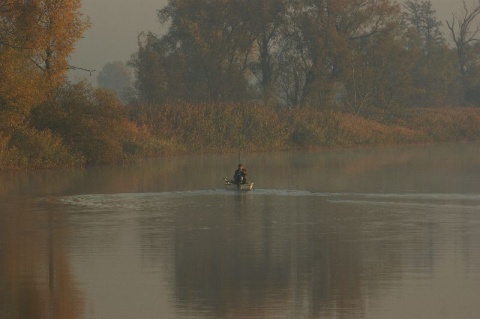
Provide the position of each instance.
(71, 67)
(462, 34)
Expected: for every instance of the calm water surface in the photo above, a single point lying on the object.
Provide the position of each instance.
(372, 233)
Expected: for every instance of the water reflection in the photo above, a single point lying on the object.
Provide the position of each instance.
(289, 254)
(35, 273)
(373, 233)
(275, 262)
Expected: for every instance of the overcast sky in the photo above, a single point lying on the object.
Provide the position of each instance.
(116, 24)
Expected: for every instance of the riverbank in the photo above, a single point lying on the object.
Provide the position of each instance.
(210, 128)
(139, 132)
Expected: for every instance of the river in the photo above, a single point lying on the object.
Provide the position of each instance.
(359, 233)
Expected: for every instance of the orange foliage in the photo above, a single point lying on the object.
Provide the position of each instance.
(228, 127)
(87, 126)
(444, 124)
(355, 130)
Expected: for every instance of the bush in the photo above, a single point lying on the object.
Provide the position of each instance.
(91, 122)
(29, 148)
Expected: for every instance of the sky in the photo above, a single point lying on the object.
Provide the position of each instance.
(112, 36)
(115, 25)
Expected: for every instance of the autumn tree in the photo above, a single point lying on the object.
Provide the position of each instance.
(21, 85)
(381, 73)
(353, 55)
(322, 39)
(267, 19)
(212, 40)
(36, 39)
(59, 26)
(45, 31)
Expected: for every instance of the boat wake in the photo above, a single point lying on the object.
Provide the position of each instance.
(145, 201)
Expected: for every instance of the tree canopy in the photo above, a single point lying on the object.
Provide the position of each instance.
(354, 55)
(36, 39)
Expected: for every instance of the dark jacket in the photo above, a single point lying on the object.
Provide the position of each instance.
(240, 176)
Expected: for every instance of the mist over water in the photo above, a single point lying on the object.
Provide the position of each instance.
(369, 233)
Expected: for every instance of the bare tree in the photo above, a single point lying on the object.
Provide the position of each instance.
(463, 33)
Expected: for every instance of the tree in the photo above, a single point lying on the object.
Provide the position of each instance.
(117, 77)
(381, 73)
(422, 17)
(36, 38)
(434, 66)
(321, 38)
(162, 72)
(462, 34)
(212, 40)
(48, 30)
(353, 54)
(267, 19)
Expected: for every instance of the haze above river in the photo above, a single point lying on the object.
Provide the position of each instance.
(364, 233)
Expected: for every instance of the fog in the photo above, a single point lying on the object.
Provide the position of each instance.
(115, 25)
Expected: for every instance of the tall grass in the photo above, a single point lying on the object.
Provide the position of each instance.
(228, 127)
(443, 124)
(213, 127)
(89, 127)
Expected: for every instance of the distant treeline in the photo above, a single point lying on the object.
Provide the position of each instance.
(255, 75)
(353, 56)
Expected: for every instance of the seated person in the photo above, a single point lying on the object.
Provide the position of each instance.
(240, 176)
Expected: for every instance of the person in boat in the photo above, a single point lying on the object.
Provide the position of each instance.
(240, 176)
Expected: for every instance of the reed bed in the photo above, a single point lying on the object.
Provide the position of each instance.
(89, 134)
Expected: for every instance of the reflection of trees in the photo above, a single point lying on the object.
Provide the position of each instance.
(240, 262)
(286, 256)
(235, 256)
(35, 277)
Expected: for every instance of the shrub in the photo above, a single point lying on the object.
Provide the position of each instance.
(91, 122)
(29, 148)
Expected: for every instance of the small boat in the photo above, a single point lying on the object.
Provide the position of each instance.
(230, 185)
